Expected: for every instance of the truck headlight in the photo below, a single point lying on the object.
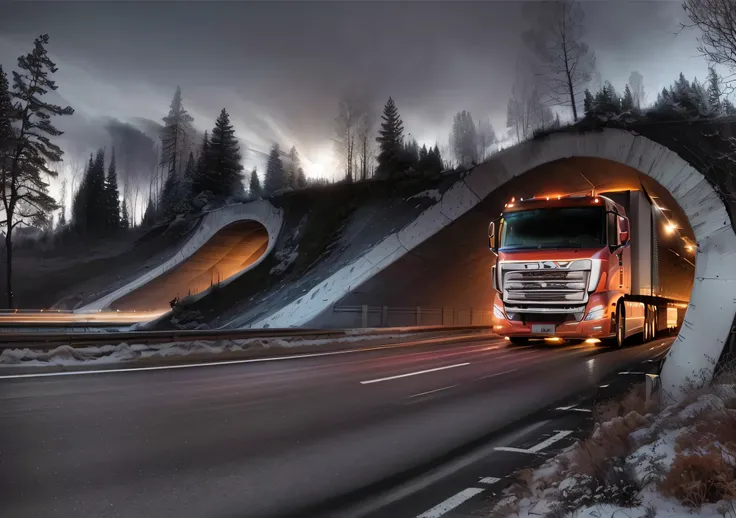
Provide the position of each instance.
(596, 313)
(498, 312)
(595, 274)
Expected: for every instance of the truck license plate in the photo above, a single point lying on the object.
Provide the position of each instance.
(543, 329)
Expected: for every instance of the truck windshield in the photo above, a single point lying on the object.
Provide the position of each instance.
(564, 227)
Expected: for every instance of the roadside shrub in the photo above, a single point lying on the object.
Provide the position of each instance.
(700, 478)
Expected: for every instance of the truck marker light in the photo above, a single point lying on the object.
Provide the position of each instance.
(595, 201)
(553, 339)
(547, 198)
(592, 341)
(507, 338)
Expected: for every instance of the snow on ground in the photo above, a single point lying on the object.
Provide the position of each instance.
(633, 486)
(286, 256)
(433, 194)
(67, 355)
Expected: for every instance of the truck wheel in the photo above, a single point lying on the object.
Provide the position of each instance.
(519, 341)
(620, 324)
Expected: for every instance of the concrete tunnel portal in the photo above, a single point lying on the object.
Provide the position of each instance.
(229, 251)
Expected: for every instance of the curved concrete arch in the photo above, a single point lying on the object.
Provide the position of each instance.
(712, 306)
(262, 212)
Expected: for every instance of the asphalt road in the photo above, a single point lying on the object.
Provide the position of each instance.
(267, 438)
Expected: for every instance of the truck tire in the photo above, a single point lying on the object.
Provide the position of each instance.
(620, 324)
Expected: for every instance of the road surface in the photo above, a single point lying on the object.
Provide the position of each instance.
(267, 438)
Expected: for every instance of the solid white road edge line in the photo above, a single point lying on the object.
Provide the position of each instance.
(451, 503)
(417, 373)
(209, 364)
(539, 447)
(433, 391)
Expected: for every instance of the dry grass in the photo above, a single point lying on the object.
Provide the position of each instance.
(700, 479)
(610, 441)
(634, 401)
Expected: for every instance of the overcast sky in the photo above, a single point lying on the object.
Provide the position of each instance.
(280, 68)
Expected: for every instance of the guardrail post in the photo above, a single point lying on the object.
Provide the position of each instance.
(419, 316)
(364, 316)
(384, 316)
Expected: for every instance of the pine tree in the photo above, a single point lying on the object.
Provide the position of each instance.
(728, 108)
(24, 190)
(254, 187)
(112, 196)
(292, 169)
(588, 103)
(79, 201)
(124, 219)
(96, 199)
(223, 175)
(390, 140)
(714, 91)
(301, 179)
(176, 136)
(275, 174)
(434, 161)
(149, 216)
(464, 139)
(627, 103)
(169, 196)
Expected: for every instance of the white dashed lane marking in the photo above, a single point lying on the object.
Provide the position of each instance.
(538, 447)
(417, 373)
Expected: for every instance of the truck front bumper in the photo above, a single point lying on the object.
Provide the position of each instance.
(571, 330)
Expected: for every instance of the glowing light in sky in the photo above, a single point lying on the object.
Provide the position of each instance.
(320, 164)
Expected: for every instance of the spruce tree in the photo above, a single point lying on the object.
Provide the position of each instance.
(390, 140)
(224, 172)
(275, 175)
(627, 103)
(112, 195)
(292, 169)
(176, 137)
(199, 180)
(149, 216)
(254, 187)
(728, 108)
(169, 196)
(79, 201)
(588, 103)
(301, 179)
(714, 91)
(96, 195)
(25, 168)
(124, 219)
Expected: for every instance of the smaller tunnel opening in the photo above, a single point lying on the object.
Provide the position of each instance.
(232, 249)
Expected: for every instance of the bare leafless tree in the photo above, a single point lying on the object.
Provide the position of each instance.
(717, 21)
(350, 112)
(365, 143)
(526, 109)
(636, 83)
(565, 62)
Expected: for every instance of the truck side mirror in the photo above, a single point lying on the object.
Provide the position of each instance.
(623, 231)
(492, 238)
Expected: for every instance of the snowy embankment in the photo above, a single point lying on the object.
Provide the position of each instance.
(677, 463)
(65, 355)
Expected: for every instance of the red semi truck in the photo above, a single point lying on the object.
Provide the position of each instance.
(595, 268)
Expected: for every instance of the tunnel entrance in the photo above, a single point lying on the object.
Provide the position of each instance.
(230, 251)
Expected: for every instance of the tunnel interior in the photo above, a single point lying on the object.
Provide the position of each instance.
(231, 250)
(446, 279)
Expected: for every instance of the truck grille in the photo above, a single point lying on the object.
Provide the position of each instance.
(545, 285)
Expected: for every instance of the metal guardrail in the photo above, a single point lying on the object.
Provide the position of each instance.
(418, 315)
(46, 340)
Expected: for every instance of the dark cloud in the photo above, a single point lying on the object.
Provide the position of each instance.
(280, 67)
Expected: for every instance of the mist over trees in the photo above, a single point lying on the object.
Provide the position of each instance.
(565, 63)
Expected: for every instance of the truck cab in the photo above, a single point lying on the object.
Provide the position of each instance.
(563, 269)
